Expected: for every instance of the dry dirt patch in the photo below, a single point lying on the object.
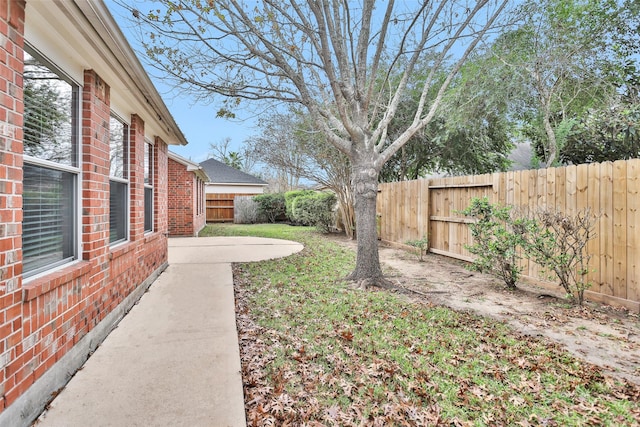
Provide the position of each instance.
(602, 335)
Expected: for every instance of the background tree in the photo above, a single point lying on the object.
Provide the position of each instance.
(243, 159)
(604, 135)
(469, 134)
(624, 69)
(288, 142)
(326, 57)
(554, 68)
(276, 147)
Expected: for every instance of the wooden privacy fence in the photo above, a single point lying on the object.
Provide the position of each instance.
(410, 210)
(220, 207)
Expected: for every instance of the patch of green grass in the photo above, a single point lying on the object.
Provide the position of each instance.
(276, 231)
(315, 350)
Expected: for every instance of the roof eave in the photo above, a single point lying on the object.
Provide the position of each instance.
(190, 165)
(97, 13)
(252, 184)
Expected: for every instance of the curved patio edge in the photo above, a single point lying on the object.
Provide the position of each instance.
(225, 249)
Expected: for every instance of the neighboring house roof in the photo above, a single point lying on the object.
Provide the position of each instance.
(220, 173)
(78, 35)
(191, 166)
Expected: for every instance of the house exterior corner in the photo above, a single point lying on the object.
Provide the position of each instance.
(186, 206)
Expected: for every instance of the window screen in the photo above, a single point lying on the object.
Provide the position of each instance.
(117, 211)
(48, 225)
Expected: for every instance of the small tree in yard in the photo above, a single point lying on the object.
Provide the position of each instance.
(496, 237)
(558, 242)
(289, 144)
(422, 245)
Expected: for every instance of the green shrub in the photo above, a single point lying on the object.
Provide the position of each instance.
(422, 245)
(290, 198)
(495, 242)
(271, 206)
(554, 240)
(557, 242)
(316, 209)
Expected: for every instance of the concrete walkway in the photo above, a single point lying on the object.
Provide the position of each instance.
(174, 359)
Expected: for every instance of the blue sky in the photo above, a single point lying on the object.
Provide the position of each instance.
(198, 122)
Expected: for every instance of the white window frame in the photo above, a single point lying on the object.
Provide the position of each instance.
(121, 180)
(149, 157)
(75, 169)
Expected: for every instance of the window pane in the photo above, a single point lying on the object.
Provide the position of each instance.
(118, 211)
(49, 122)
(148, 190)
(118, 190)
(118, 138)
(148, 209)
(148, 153)
(48, 225)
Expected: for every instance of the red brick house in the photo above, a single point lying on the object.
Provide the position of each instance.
(84, 139)
(187, 214)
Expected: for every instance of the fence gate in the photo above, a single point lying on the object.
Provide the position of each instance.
(449, 231)
(220, 207)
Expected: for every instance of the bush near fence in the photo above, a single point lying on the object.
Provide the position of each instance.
(246, 210)
(410, 210)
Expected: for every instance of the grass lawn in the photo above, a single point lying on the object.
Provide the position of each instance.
(315, 352)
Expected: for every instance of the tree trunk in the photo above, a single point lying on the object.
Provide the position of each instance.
(365, 188)
(345, 205)
(552, 149)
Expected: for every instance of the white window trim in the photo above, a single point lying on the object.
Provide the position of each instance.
(127, 181)
(151, 180)
(77, 170)
(52, 165)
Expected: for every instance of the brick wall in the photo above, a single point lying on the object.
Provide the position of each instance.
(44, 317)
(200, 205)
(136, 177)
(161, 187)
(186, 200)
(11, 109)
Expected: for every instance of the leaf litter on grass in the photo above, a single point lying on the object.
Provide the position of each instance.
(316, 353)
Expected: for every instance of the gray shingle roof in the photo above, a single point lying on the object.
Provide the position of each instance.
(220, 173)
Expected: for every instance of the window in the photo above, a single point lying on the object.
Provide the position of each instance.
(197, 191)
(203, 192)
(148, 187)
(51, 167)
(118, 181)
(201, 196)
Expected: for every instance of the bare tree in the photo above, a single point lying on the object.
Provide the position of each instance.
(275, 145)
(327, 56)
(243, 159)
(288, 143)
